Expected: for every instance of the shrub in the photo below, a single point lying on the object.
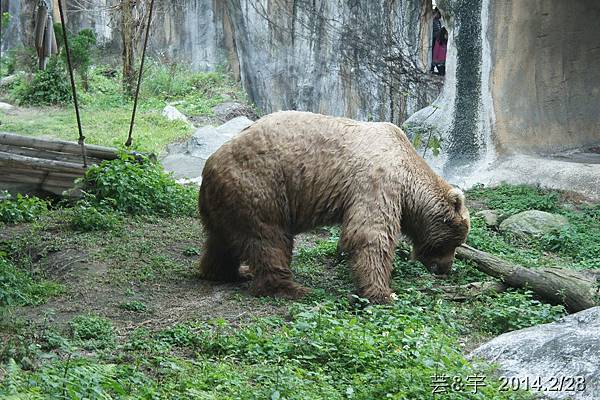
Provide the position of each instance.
(138, 186)
(47, 87)
(21, 209)
(135, 306)
(94, 331)
(514, 310)
(81, 47)
(86, 217)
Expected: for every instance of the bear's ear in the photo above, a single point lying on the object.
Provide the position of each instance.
(457, 199)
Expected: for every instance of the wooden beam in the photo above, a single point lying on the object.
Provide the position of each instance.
(19, 161)
(63, 146)
(46, 154)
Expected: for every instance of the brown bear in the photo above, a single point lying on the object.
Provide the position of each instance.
(293, 171)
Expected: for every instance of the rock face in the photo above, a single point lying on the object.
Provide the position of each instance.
(231, 109)
(545, 50)
(338, 58)
(516, 81)
(568, 348)
(330, 57)
(533, 223)
(520, 76)
(186, 160)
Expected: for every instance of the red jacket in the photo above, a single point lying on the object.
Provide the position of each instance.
(439, 52)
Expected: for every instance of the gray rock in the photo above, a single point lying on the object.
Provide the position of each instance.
(173, 114)
(186, 160)
(231, 109)
(8, 80)
(6, 107)
(490, 217)
(568, 348)
(533, 223)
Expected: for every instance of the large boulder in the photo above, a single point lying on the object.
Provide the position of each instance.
(564, 353)
(186, 160)
(533, 223)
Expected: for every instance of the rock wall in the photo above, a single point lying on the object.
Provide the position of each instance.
(546, 80)
(362, 59)
(520, 79)
(521, 75)
(330, 56)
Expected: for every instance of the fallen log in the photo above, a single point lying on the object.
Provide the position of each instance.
(40, 164)
(62, 146)
(47, 154)
(576, 290)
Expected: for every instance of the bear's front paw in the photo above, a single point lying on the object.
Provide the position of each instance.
(382, 298)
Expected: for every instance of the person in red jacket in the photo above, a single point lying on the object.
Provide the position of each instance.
(439, 51)
(437, 26)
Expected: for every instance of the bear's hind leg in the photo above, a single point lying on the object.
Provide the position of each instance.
(219, 261)
(269, 260)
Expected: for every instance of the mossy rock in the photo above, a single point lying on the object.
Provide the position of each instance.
(533, 223)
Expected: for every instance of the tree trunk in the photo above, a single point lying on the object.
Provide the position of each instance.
(576, 290)
(127, 36)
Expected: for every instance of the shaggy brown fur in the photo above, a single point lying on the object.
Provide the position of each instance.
(293, 171)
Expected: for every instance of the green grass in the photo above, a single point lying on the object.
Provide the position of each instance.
(576, 246)
(318, 347)
(106, 114)
(322, 350)
(21, 288)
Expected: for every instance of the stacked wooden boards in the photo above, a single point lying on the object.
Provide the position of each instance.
(29, 165)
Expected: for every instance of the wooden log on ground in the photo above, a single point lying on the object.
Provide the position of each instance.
(47, 154)
(25, 162)
(576, 290)
(38, 177)
(101, 152)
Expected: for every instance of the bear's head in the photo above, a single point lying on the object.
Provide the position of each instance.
(446, 227)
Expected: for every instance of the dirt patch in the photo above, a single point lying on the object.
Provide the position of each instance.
(151, 263)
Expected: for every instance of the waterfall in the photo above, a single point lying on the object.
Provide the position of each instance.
(462, 115)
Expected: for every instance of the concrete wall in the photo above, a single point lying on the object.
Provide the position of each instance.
(546, 74)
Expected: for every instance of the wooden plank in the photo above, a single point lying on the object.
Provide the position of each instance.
(28, 171)
(38, 177)
(63, 146)
(19, 161)
(47, 154)
(27, 181)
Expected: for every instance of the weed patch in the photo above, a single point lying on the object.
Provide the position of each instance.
(21, 209)
(512, 310)
(92, 331)
(17, 287)
(137, 187)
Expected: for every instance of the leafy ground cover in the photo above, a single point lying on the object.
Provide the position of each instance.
(119, 312)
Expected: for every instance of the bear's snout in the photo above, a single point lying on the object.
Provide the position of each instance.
(439, 266)
(440, 270)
